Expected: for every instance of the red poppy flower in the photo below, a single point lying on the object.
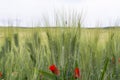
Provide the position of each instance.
(119, 60)
(54, 70)
(76, 73)
(1, 74)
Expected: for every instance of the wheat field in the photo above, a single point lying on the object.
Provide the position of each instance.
(27, 53)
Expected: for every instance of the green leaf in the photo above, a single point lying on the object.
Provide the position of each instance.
(48, 75)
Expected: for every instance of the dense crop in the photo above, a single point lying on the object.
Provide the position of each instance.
(60, 54)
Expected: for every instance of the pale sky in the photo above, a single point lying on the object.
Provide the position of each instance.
(30, 12)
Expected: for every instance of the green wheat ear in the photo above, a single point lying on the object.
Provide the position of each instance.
(7, 45)
(30, 49)
(36, 39)
(6, 48)
(16, 39)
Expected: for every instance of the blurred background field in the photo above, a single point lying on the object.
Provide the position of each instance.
(86, 33)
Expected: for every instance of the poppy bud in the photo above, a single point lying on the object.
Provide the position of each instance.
(1, 74)
(76, 73)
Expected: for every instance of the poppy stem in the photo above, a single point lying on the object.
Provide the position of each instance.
(56, 78)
